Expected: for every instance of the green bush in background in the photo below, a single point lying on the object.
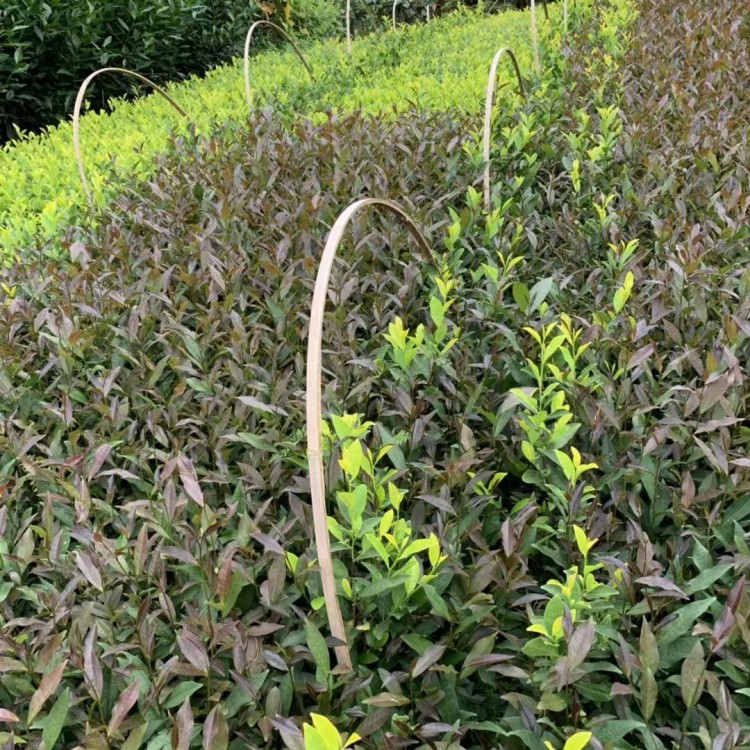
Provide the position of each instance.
(47, 47)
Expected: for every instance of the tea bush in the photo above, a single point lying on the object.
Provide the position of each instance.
(48, 48)
(535, 446)
(441, 65)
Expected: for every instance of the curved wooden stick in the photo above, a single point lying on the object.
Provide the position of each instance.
(393, 13)
(313, 408)
(349, 27)
(77, 116)
(491, 80)
(248, 39)
(535, 39)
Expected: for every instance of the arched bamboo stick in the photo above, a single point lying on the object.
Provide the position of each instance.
(313, 407)
(535, 39)
(349, 27)
(428, 11)
(248, 39)
(486, 139)
(393, 13)
(77, 116)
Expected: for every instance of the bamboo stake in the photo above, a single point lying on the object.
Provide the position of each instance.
(535, 39)
(393, 13)
(248, 39)
(349, 27)
(491, 83)
(314, 410)
(77, 117)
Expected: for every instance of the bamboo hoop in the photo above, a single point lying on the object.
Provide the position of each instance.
(486, 139)
(393, 13)
(535, 39)
(313, 408)
(248, 39)
(349, 27)
(77, 116)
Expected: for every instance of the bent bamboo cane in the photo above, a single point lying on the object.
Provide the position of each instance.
(77, 116)
(248, 39)
(535, 39)
(487, 135)
(313, 398)
(349, 27)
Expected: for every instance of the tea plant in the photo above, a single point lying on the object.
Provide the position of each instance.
(550, 428)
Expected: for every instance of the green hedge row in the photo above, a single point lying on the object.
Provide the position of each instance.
(47, 47)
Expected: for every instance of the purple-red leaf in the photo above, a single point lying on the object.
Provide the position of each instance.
(125, 702)
(194, 651)
(215, 731)
(183, 727)
(91, 667)
(663, 584)
(90, 571)
(189, 480)
(428, 658)
(46, 688)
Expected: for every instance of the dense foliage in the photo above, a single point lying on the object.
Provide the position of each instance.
(536, 444)
(441, 64)
(47, 48)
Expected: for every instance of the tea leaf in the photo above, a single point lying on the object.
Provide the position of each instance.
(125, 702)
(215, 730)
(318, 648)
(692, 675)
(46, 689)
(89, 570)
(649, 650)
(648, 693)
(578, 741)
(55, 720)
(193, 650)
(428, 659)
(327, 730)
(91, 667)
(706, 578)
(580, 643)
(683, 620)
(184, 727)
(135, 738)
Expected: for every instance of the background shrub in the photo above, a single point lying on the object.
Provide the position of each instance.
(48, 48)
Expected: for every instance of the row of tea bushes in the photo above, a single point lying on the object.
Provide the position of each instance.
(159, 574)
(442, 65)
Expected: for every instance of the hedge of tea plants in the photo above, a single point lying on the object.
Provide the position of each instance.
(535, 442)
(48, 48)
(442, 64)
